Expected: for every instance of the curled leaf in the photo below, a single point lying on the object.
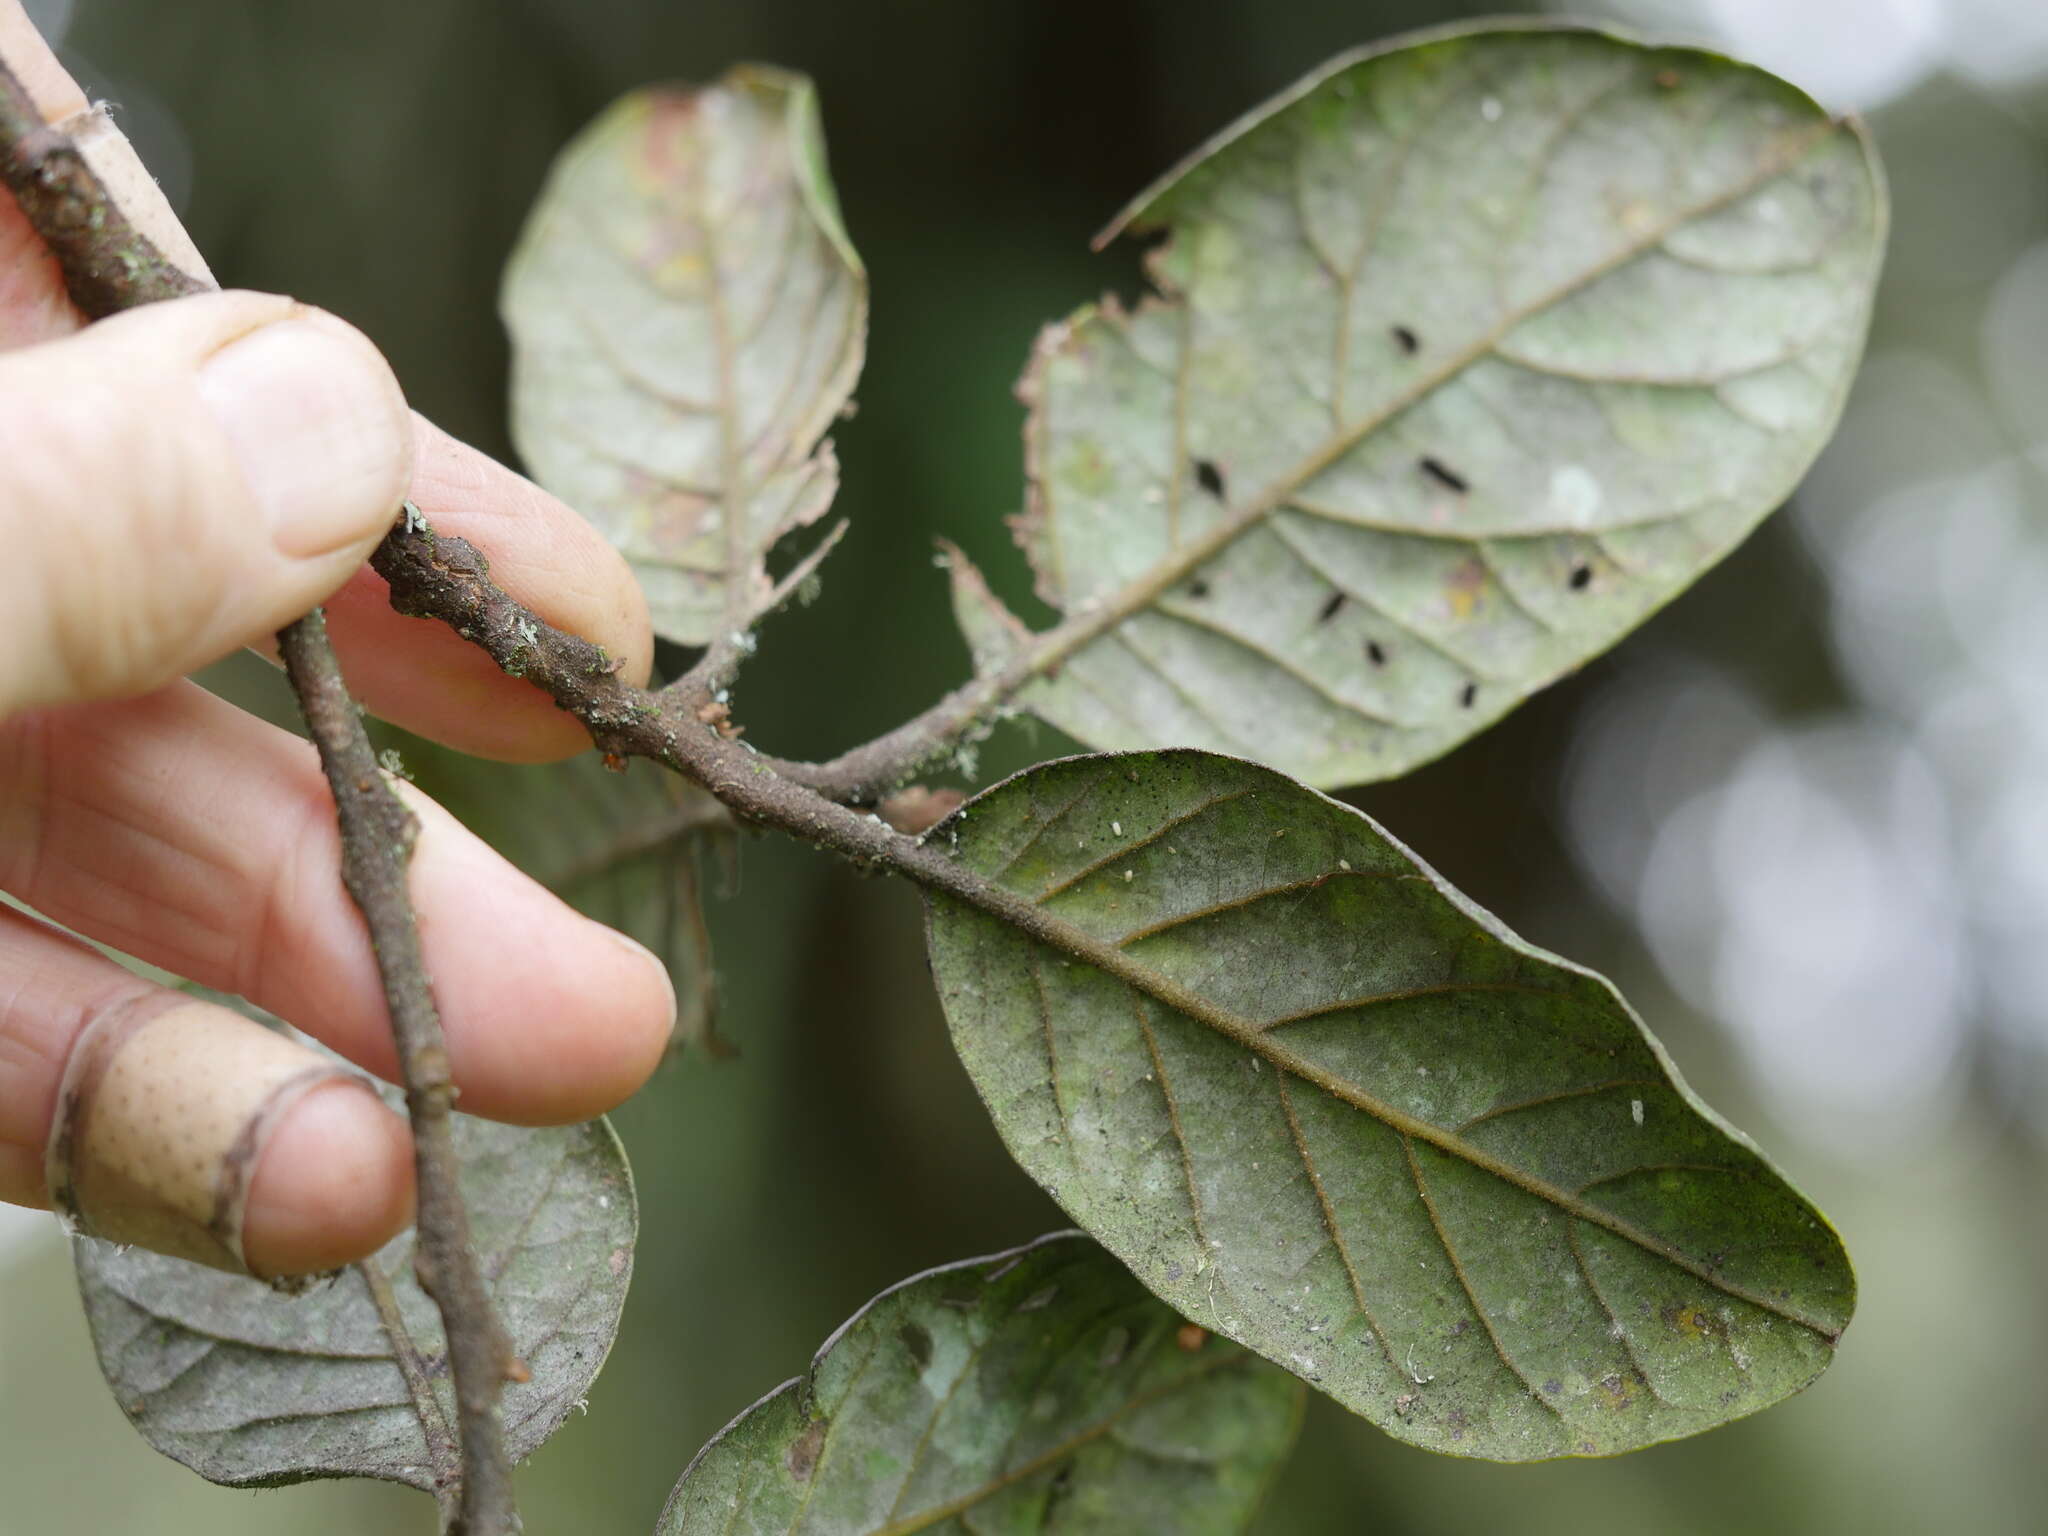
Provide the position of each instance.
(687, 318)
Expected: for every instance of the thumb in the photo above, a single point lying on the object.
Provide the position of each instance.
(180, 480)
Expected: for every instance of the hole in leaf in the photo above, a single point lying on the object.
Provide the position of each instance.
(1468, 694)
(1443, 474)
(1209, 477)
(1582, 577)
(1410, 342)
(1198, 588)
(1330, 608)
(1375, 653)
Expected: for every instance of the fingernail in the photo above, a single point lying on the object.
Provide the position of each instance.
(319, 427)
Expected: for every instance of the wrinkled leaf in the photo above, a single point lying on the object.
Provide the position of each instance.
(1036, 1391)
(623, 848)
(687, 318)
(247, 1386)
(1326, 1106)
(1468, 356)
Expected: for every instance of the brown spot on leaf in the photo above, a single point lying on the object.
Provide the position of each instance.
(1465, 586)
(805, 1449)
(1694, 1322)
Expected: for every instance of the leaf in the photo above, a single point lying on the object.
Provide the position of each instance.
(687, 318)
(1327, 1107)
(1468, 355)
(1035, 1391)
(248, 1386)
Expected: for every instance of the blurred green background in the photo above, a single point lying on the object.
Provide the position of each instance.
(1802, 817)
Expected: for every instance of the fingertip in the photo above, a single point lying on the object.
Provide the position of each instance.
(334, 1184)
(551, 1018)
(644, 996)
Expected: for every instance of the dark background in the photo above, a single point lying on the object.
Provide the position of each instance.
(1857, 988)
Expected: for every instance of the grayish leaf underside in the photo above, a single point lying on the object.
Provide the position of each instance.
(1471, 355)
(687, 319)
(246, 1386)
(1327, 1107)
(1036, 1392)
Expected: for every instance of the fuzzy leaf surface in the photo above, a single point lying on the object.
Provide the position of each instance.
(1467, 355)
(1327, 1107)
(248, 1386)
(1033, 1392)
(687, 318)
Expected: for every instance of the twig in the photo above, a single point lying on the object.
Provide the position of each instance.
(109, 265)
(448, 579)
(868, 772)
(377, 835)
(443, 1456)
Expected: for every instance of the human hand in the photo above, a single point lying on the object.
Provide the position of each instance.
(176, 482)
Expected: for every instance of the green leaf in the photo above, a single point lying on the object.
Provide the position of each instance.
(1326, 1106)
(248, 1386)
(1468, 355)
(1035, 1391)
(687, 318)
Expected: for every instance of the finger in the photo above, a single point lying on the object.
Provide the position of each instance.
(420, 674)
(180, 479)
(182, 831)
(164, 1120)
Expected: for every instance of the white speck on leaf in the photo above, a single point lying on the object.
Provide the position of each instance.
(1635, 1110)
(1490, 109)
(1575, 495)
